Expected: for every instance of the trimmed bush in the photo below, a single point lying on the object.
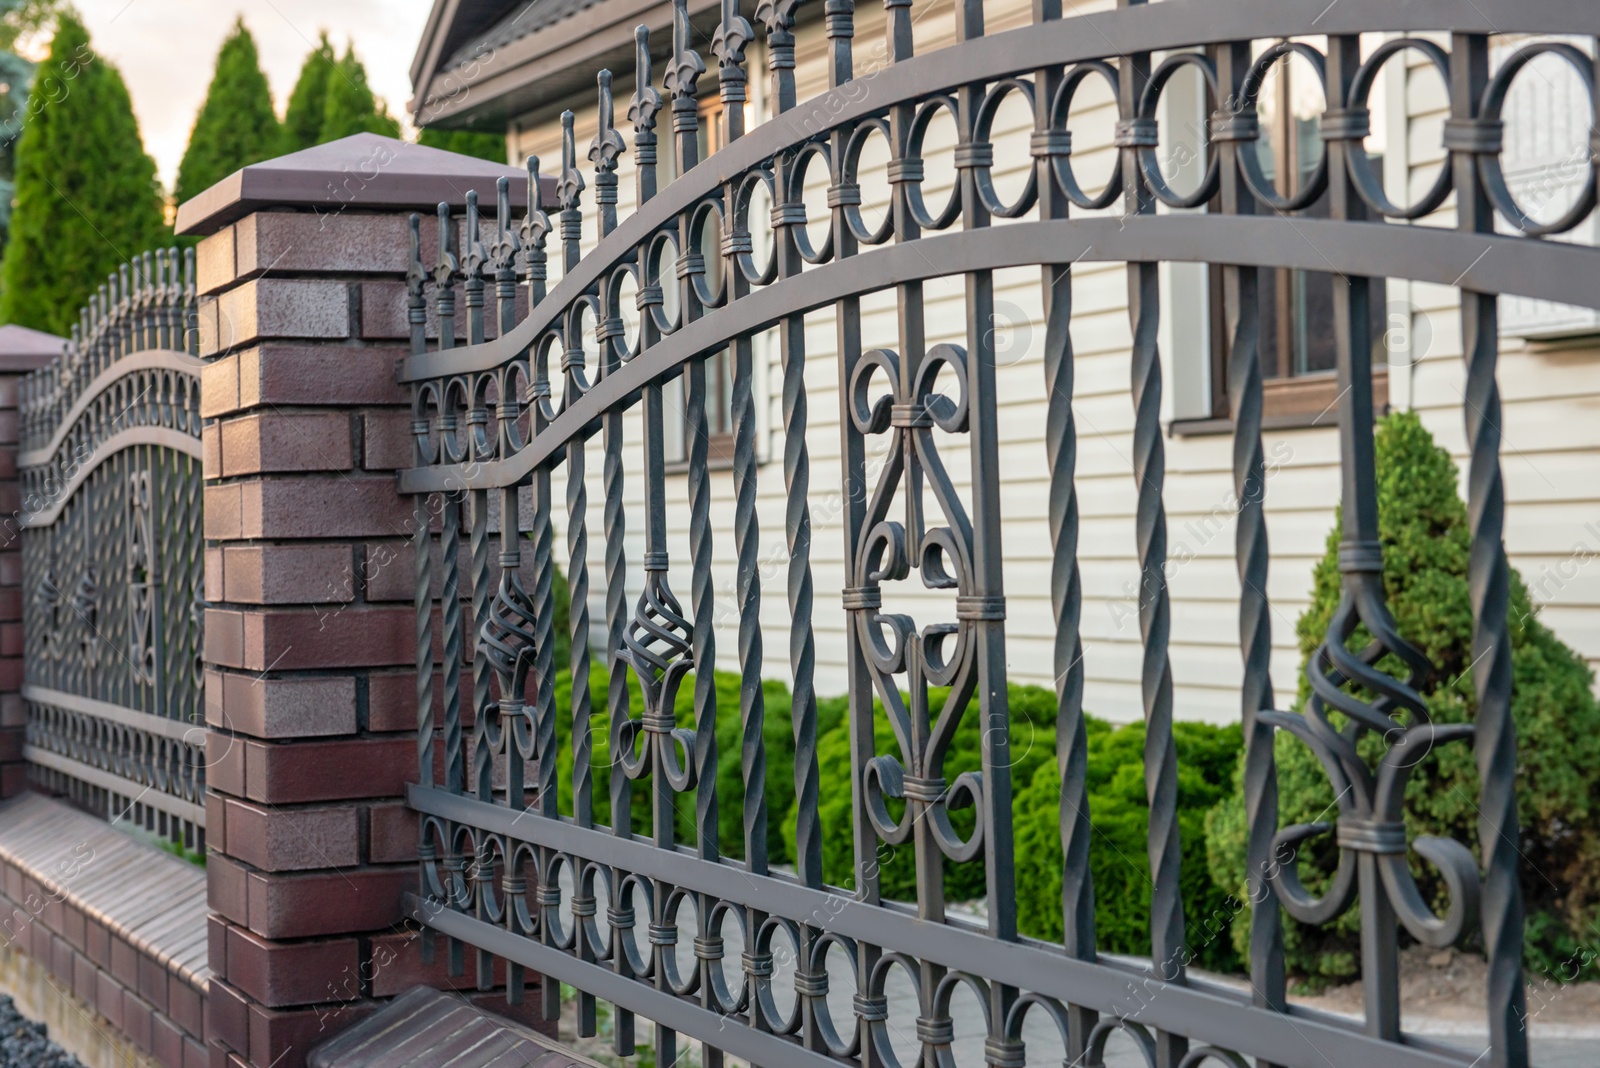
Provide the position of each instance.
(1117, 810)
(730, 775)
(1423, 528)
(1119, 858)
(87, 199)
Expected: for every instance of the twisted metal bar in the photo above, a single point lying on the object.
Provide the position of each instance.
(1488, 580)
(1242, 309)
(1066, 586)
(1155, 612)
(578, 618)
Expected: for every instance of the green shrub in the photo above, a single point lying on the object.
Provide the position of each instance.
(776, 733)
(1423, 527)
(1117, 810)
(1119, 859)
(1032, 743)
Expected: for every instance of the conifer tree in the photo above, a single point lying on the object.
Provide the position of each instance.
(489, 146)
(18, 18)
(1426, 538)
(87, 198)
(236, 125)
(302, 122)
(350, 107)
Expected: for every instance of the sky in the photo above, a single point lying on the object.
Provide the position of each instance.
(166, 50)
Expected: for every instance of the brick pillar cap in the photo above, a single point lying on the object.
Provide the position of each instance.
(363, 171)
(22, 349)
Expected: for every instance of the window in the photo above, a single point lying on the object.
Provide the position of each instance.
(1298, 358)
(1546, 158)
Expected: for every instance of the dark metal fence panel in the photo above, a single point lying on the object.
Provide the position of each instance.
(112, 556)
(507, 872)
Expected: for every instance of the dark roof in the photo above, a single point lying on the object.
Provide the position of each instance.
(533, 54)
(365, 170)
(528, 18)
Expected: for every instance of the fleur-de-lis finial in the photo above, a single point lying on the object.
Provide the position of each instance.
(446, 266)
(569, 190)
(474, 255)
(778, 17)
(503, 248)
(536, 224)
(608, 144)
(646, 100)
(733, 36)
(533, 234)
(416, 273)
(570, 184)
(684, 73)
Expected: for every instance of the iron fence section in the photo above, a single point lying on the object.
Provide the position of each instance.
(112, 556)
(499, 423)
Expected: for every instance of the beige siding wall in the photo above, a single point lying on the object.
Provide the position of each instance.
(1552, 436)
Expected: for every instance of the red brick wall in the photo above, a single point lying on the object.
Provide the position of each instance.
(308, 631)
(13, 716)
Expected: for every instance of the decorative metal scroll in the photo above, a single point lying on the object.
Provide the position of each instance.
(112, 555)
(507, 873)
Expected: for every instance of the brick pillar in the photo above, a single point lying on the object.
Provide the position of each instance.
(309, 622)
(21, 350)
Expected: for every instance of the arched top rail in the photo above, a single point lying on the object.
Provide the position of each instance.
(1084, 39)
(148, 304)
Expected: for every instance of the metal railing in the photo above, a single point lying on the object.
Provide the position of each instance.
(112, 556)
(506, 871)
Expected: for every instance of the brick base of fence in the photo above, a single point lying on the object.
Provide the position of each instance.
(111, 925)
(21, 350)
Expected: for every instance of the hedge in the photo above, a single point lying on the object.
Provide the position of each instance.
(1425, 536)
(1118, 811)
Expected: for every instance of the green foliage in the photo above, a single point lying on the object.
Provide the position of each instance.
(302, 120)
(730, 776)
(1425, 536)
(87, 198)
(1119, 858)
(349, 107)
(1117, 808)
(25, 18)
(236, 125)
(18, 19)
(489, 146)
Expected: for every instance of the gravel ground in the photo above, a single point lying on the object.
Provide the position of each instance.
(24, 1044)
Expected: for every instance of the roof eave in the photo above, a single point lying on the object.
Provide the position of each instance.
(550, 63)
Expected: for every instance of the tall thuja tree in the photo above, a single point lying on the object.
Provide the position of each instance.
(350, 107)
(87, 198)
(18, 19)
(236, 125)
(489, 146)
(302, 121)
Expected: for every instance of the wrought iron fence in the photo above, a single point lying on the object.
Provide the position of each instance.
(507, 872)
(112, 556)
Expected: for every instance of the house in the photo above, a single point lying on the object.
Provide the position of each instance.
(517, 65)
